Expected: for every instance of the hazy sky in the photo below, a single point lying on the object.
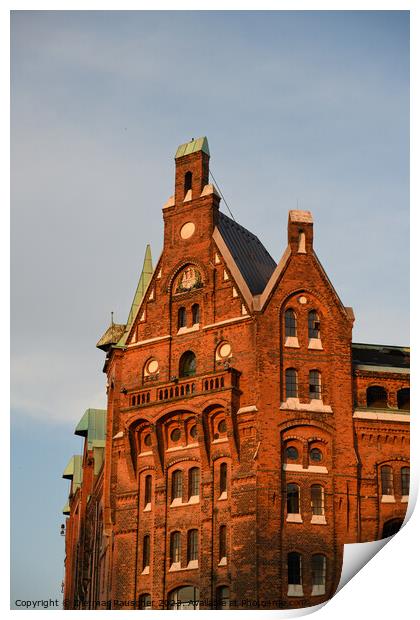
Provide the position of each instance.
(300, 108)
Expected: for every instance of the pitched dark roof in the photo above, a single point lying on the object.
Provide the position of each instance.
(381, 355)
(249, 254)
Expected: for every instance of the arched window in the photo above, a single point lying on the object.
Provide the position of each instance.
(145, 601)
(292, 453)
(187, 364)
(195, 314)
(175, 548)
(187, 597)
(387, 480)
(405, 481)
(146, 551)
(314, 325)
(294, 574)
(315, 390)
(291, 383)
(317, 499)
(293, 499)
(222, 597)
(187, 182)
(222, 544)
(376, 396)
(403, 399)
(319, 573)
(192, 545)
(182, 317)
(290, 323)
(223, 478)
(193, 482)
(177, 484)
(391, 527)
(147, 490)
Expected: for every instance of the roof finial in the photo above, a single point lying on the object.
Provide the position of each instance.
(112, 318)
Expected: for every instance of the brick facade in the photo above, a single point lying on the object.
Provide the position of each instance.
(241, 453)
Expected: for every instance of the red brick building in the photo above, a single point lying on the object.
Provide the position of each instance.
(246, 438)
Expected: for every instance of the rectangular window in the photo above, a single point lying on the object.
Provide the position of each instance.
(317, 499)
(405, 481)
(315, 384)
(291, 383)
(387, 482)
(222, 543)
(192, 551)
(319, 570)
(294, 576)
(146, 552)
(175, 548)
(193, 482)
(177, 484)
(293, 499)
(148, 490)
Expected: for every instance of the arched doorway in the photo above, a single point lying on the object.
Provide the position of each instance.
(391, 527)
(186, 597)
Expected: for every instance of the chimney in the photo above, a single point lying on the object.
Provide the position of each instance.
(300, 232)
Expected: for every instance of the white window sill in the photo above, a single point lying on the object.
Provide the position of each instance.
(188, 330)
(220, 440)
(315, 343)
(314, 469)
(292, 341)
(223, 562)
(319, 520)
(318, 590)
(194, 499)
(148, 507)
(388, 499)
(175, 448)
(315, 404)
(222, 496)
(404, 499)
(146, 570)
(295, 590)
(148, 453)
(294, 518)
(192, 564)
(176, 566)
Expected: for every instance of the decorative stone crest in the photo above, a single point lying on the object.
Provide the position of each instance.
(189, 280)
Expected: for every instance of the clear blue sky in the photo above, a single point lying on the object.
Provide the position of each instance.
(307, 108)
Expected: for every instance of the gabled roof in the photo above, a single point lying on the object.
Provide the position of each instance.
(380, 355)
(249, 254)
(146, 276)
(74, 471)
(93, 427)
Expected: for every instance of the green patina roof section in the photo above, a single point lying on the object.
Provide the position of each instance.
(146, 276)
(74, 471)
(93, 426)
(66, 509)
(200, 144)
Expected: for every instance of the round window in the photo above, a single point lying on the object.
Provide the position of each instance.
(176, 434)
(147, 440)
(221, 427)
(225, 349)
(292, 453)
(315, 454)
(193, 431)
(152, 367)
(187, 230)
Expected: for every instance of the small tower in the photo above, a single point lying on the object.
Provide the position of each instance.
(191, 170)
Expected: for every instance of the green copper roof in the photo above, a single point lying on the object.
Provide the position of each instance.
(146, 276)
(93, 426)
(74, 471)
(193, 146)
(66, 509)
